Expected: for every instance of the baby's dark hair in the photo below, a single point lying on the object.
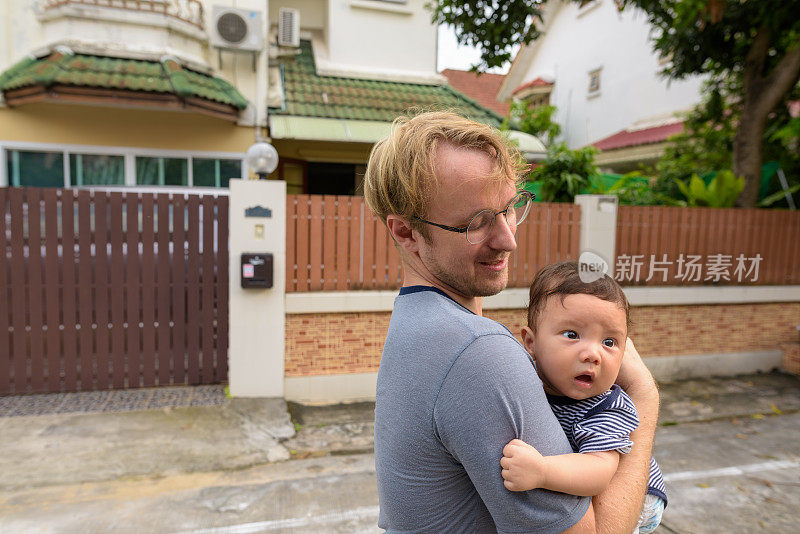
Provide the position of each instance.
(564, 279)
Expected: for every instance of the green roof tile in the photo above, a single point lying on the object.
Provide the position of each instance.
(167, 76)
(310, 95)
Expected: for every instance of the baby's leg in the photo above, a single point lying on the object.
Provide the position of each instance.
(650, 517)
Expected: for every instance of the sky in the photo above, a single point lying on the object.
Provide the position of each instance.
(453, 56)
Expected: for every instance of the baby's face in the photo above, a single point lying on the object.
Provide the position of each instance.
(578, 345)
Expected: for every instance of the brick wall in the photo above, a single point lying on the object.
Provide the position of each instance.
(344, 343)
(791, 358)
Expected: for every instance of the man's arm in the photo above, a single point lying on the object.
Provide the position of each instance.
(617, 509)
(588, 474)
(492, 395)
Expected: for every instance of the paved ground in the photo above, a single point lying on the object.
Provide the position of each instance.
(729, 449)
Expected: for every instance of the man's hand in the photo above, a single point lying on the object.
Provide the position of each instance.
(633, 372)
(523, 466)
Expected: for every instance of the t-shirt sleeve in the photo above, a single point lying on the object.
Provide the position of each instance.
(608, 426)
(490, 396)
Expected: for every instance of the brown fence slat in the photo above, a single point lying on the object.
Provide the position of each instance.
(342, 238)
(148, 291)
(795, 238)
(133, 285)
(381, 256)
(179, 287)
(543, 240)
(193, 291)
(355, 243)
(774, 246)
(101, 289)
(575, 235)
(315, 244)
(86, 288)
(291, 247)
(18, 283)
(302, 243)
(35, 287)
(517, 270)
(5, 324)
(222, 289)
(118, 370)
(563, 246)
(668, 241)
(69, 293)
(163, 290)
(329, 242)
(207, 294)
(52, 304)
(368, 270)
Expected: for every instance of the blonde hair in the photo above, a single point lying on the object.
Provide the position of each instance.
(401, 175)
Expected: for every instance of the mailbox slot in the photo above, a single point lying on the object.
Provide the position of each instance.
(256, 271)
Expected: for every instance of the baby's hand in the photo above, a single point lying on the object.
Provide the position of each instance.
(523, 466)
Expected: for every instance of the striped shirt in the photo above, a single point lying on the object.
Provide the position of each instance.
(604, 423)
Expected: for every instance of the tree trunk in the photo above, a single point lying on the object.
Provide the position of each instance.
(747, 152)
(761, 95)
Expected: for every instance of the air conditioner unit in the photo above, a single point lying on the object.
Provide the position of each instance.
(288, 27)
(236, 29)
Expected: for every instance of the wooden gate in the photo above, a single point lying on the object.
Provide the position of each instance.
(108, 290)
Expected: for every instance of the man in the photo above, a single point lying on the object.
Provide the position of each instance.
(454, 387)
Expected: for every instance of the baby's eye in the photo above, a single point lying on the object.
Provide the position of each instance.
(609, 342)
(571, 334)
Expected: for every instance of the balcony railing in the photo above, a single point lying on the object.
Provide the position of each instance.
(190, 11)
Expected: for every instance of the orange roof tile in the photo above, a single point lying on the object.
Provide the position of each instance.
(482, 88)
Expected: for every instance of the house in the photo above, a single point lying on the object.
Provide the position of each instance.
(597, 66)
(481, 87)
(122, 94)
(173, 92)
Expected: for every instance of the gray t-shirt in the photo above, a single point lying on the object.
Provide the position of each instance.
(453, 389)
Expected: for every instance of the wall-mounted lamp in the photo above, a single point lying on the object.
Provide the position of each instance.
(262, 158)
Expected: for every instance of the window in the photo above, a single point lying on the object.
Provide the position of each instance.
(594, 82)
(94, 169)
(215, 172)
(162, 171)
(57, 165)
(35, 169)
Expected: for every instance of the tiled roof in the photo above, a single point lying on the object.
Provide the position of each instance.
(538, 82)
(482, 88)
(646, 136)
(307, 94)
(166, 76)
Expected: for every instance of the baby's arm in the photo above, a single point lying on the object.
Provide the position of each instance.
(524, 468)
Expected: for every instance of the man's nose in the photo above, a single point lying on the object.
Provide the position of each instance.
(502, 234)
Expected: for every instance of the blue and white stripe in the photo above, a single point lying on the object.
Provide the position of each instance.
(604, 423)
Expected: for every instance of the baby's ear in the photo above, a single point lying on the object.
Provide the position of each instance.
(527, 339)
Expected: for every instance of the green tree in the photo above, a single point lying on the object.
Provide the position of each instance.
(706, 144)
(564, 173)
(756, 40)
(534, 120)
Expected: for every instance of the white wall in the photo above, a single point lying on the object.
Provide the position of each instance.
(579, 41)
(397, 40)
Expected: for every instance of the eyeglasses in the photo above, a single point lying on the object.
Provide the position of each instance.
(480, 226)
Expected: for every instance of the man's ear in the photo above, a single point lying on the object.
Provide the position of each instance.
(400, 229)
(527, 340)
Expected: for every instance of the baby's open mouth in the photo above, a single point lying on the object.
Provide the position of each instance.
(584, 380)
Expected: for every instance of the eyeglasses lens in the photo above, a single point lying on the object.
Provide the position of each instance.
(481, 225)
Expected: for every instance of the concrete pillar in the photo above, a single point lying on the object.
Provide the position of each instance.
(598, 228)
(257, 316)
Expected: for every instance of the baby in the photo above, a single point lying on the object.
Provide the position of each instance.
(576, 335)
